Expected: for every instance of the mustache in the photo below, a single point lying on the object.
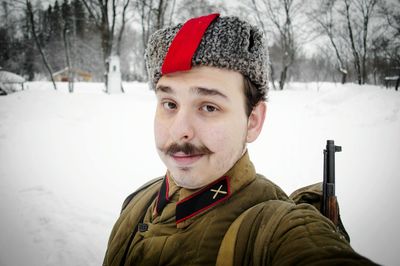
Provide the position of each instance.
(187, 148)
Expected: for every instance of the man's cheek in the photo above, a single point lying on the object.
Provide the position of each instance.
(215, 139)
(159, 135)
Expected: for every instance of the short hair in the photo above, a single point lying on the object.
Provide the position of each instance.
(252, 94)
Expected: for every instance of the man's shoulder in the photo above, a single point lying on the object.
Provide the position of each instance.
(269, 188)
(153, 182)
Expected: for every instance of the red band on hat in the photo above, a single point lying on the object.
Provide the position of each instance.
(185, 43)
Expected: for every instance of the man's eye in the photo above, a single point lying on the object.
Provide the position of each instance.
(169, 105)
(209, 108)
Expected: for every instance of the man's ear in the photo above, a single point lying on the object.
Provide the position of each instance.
(256, 121)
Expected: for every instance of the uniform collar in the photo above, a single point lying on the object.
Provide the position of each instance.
(193, 203)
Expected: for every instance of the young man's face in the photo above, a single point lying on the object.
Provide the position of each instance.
(200, 126)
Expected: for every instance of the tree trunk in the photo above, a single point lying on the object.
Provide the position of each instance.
(121, 31)
(46, 63)
(342, 69)
(364, 51)
(105, 38)
(344, 77)
(145, 17)
(283, 77)
(160, 14)
(103, 24)
(172, 12)
(67, 57)
(272, 76)
(353, 47)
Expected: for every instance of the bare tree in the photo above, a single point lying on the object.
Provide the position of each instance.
(355, 52)
(391, 13)
(122, 27)
(363, 9)
(104, 13)
(99, 11)
(391, 16)
(171, 15)
(153, 15)
(325, 17)
(366, 8)
(389, 45)
(68, 59)
(282, 15)
(32, 24)
(190, 9)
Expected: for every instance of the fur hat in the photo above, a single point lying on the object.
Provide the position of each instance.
(227, 42)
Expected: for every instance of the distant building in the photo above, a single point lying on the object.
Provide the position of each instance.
(79, 75)
(10, 82)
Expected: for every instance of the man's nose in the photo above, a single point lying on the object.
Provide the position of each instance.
(182, 129)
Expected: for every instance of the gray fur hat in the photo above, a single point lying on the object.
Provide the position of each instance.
(228, 42)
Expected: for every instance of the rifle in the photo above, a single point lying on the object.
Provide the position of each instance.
(329, 206)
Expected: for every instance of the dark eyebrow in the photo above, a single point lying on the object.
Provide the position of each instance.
(208, 92)
(165, 89)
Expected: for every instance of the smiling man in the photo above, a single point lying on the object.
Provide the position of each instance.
(201, 126)
(211, 207)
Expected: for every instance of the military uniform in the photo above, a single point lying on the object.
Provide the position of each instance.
(164, 224)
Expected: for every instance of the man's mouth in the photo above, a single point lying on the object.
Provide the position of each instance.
(184, 159)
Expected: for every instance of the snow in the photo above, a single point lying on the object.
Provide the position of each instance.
(67, 161)
(9, 77)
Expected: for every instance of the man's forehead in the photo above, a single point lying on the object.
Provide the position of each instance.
(198, 90)
(202, 80)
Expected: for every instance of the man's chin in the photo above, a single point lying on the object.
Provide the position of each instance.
(185, 183)
(184, 169)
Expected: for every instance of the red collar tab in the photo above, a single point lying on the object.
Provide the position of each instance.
(184, 45)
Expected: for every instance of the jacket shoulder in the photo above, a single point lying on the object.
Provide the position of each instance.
(143, 187)
(269, 188)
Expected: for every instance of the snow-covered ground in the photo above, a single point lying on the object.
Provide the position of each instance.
(67, 161)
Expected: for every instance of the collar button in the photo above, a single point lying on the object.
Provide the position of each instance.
(142, 227)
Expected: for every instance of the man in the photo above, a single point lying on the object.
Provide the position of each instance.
(210, 80)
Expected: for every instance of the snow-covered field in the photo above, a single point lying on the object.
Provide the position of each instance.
(67, 161)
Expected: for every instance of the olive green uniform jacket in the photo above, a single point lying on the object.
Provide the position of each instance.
(240, 219)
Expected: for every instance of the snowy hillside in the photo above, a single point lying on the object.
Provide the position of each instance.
(67, 161)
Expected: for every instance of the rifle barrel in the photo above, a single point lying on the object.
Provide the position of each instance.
(328, 207)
